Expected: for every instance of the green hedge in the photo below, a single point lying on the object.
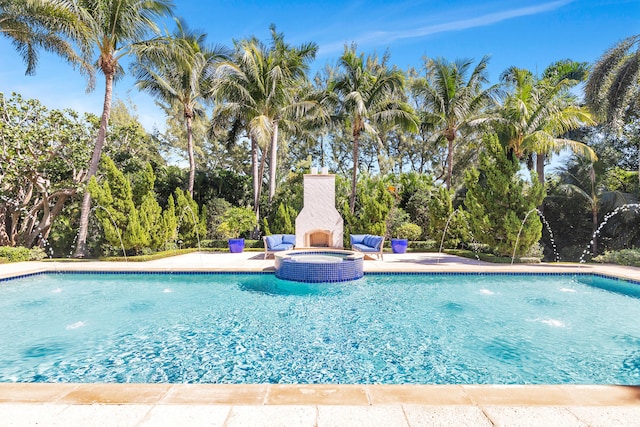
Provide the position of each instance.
(174, 252)
(630, 257)
(222, 244)
(490, 257)
(417, 245)
(19, 253)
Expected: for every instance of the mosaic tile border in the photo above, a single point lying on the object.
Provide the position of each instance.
(376, 273)
(505, 273)
(294, 268)
(22, 276)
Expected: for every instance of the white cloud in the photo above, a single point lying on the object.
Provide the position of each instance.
(457, 25)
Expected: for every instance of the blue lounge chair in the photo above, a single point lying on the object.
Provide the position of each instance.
(368, 244)
(277, 243)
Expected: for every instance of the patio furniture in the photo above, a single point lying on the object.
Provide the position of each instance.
(368, 244)
(277, 243)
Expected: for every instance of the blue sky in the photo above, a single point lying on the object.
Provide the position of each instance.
(524, 33)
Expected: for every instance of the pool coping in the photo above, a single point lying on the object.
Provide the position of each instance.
(320, 394)
(484, 399)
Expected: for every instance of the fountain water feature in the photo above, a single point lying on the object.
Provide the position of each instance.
(444, 233)
(72, 246)
(546, 224)
(195, 227)
(195, 223)
(542, 217)
(446, 226)
(624, 208)
(113, 221)
(551, 237)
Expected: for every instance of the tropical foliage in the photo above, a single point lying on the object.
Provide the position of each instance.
(452, 100)
(501, 207)
(111, 27)
(613, 88)
(44, 24)
(255, 91)
(236, 221)
(369, 95)
(177, 70)
(536, 113)
(43, 158)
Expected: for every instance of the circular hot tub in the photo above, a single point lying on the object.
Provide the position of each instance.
(315, 266)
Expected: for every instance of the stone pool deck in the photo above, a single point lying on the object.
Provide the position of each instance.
(316, 405)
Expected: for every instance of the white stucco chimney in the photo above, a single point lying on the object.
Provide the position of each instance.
(319, 224)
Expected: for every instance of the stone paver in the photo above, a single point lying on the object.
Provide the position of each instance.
(272, 416)
(445, 416)
(186, 416)
(606, 416)
(532, 416)
(361, 416)
(18, 414)
(99, 416)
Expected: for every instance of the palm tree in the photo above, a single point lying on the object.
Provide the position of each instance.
(587, 180)
(46, 24)
(613, 88)
(177, 70)
(115, 26)
(290, 65)
(369, 93)
(536, 112)
(254, 93)
(452, 98)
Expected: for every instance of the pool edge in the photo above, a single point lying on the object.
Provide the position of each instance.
(319, 394)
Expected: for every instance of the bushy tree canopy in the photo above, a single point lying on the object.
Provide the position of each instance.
(498, 201)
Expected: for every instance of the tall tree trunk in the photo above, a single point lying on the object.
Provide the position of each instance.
(263, 159)
(540, 158)
(4, 236)
(354, 175)
(14, 217)
(192, 161)
(256, 180)
(36, 230)
(383, 157)
(274, 161)
(43, 228)
(594, 219)
(449, 162)
(594, 208)
(81, 245)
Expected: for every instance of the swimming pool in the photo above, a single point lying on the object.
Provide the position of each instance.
(255, 328)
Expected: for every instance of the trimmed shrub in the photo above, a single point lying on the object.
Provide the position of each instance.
(629, 257)
(19, 253)
(409, 231)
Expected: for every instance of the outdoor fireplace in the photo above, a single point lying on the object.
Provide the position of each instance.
(318, 239)
(319, 225)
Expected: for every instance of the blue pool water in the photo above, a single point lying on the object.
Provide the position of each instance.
(255, 328)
